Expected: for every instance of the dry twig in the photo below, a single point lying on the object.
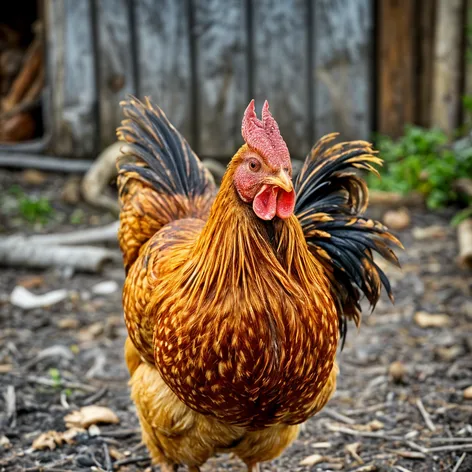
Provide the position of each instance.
(459, 462)
(425, 415)
(338, 416)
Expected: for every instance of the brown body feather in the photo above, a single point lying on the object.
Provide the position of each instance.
(233, 322)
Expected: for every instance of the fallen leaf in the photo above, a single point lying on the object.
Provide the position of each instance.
(353, 450)
(33, 177)
(312, 460)
(448, 354)
(397, 219)
(91, 414)
(429, 232)
(375, 425)
(4, 368)
(47, 441)
(68, 323)
(51, 439)
(428, 320)
(91, 331)
(468, 393)
(23, 298)
(71, 190)
(30, 281)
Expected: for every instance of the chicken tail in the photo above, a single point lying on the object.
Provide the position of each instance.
(331, 201)
(160, 178)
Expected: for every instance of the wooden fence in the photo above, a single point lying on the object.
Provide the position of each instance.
(353, 66)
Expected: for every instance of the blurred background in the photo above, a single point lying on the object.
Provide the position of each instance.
(365, 68)
(398, 72)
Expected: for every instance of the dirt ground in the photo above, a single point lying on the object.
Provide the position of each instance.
(57, 359)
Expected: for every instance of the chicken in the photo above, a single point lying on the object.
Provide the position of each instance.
(236, 300)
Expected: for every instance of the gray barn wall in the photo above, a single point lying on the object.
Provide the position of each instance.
(202, 61)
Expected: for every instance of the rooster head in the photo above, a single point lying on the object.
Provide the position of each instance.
(263, 176)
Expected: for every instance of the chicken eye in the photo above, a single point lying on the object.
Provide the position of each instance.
(254, 165)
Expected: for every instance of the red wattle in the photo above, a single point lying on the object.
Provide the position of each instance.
(285, 204)
(272, 200)
(265, 202)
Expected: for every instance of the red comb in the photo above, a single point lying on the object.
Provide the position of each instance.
(264, 136)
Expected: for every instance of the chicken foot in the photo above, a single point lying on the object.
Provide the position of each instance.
(253, 468)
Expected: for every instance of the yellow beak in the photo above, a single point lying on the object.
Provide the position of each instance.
(282, 180)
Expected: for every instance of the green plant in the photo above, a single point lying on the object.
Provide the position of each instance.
(35, 210)
(55, 376)
(77, 217)
(423, 160)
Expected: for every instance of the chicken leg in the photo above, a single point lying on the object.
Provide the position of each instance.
(169, 467)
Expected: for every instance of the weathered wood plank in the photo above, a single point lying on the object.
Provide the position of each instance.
(280, 68)
(116, 75)
(446, 70)
(222, 75)
(164, 67)
(395, 65)
(71, 77)
(343, 67)
(467, 112)
(426, 13)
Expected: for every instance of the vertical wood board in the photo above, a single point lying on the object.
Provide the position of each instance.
(446, 68)
(222, 75)
(280, 68)
(71, 77)
(424, 82)
(164, 66)
(343, 67)
(467, 112)
(116, 75)
(395, 65)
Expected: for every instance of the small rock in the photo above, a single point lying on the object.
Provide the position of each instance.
(397, 219)
(397, 371)
(84, 460)
(94, 430)
(68, 323)
(71, 190)
(468, 393)
(33, 177)
(428, 320)
(105, 288)
(4, 442)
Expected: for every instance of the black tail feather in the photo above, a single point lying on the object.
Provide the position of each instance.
(331, 200)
